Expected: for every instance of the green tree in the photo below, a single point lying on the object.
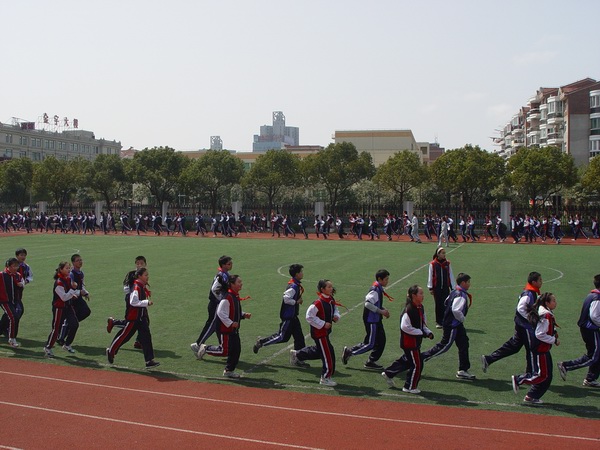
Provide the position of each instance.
(107, 178)
(400, 173)
(272, 173)
(336, 169)
(159, 170)
(57, 180)
(539, 173)
(590, 180)
(16, 180)
(469, 173)
(211, 173)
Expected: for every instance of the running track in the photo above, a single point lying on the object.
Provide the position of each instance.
(43, 405)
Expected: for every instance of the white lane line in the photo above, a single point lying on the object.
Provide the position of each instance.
(158, 427)
(301, 410)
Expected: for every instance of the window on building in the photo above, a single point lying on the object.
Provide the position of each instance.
(36, 156)
(595, 101)
(8, 153)
(52, 144)
(96, 149)
(595, 125)
(46, 144)
(9, 138)
(22, 154)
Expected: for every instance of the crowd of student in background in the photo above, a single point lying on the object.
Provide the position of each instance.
(440, 227)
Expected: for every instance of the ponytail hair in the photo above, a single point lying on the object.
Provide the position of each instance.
(412, 291)
(533, 315)
(61, 266)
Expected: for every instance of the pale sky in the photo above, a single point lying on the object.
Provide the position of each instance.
(173, 73)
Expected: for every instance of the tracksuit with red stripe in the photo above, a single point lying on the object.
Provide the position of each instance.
(229, 311)
(322, 311)
(440, 282)
(9, 318)
(541, 375)
(137, 321)
(412, 329)
(62, 310)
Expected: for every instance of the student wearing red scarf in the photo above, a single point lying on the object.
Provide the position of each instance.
(62, 309)
(11, 285)
(320, 315)
(524, 332)
(137, 321)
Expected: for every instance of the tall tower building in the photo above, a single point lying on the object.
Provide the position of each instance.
(216, 143)
(276, 136)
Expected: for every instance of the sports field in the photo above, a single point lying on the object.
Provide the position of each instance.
(182, 269)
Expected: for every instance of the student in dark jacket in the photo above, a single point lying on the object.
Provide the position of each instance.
(413, 327)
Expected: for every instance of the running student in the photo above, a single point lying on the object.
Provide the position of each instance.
(524, 333)
(229, 315)
(373, 313)
(128, 281)
(542, 319)
(10, 285)
(79, 304)
(457, 307)
(320, 315)
(137, 321)
(589, 327)
(288, 313)
(64, 290)
(217, 292)
(413, 327)
(27, 275)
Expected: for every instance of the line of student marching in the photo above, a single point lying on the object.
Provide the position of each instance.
(535, 324)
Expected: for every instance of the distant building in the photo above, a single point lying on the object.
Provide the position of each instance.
(23, 139)
(381, 144)
(430, 151)
(567, 117)
(276, 136)
(216, 143)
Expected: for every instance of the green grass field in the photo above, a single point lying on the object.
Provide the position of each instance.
(182, 269)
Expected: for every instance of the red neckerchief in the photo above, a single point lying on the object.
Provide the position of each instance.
(15, 276)
(241, 299)
(458, 288)
(529, 287)
(328, 299)
(377, 283)
(296, 282)
(595, 291)
(142, 286)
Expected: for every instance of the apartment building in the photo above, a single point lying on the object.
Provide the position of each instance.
(567, 117)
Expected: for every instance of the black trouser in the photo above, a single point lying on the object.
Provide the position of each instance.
(440, 296)
(522, 337)
(82, 312)
(142, 326)
(374, 340)
(210, 325)
(66, 314)
(457, 334)
(591, 358)
(287, 328)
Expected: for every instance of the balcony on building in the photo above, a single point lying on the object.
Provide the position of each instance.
(533, 114)
(554, 119)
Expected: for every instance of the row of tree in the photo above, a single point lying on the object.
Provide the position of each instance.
(338, 174)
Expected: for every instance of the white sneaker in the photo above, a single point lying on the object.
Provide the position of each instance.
(562, 370)
(230, 374)
(388, 380)
(411, 391)
(594, 383)
(515, 384)
(48, 352)
(464, 375)
(201, 351)
(68, 348)
(484, 364)
(293, 358)
(195, 347)
(13, 343)
(327, 382)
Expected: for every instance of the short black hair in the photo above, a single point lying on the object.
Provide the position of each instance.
(12, 261)
(597, 281)
(20, 251)
(381, 274)
(462, 277)
(140, 258)
(295, 269)
(224, 260)
(533, 276)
